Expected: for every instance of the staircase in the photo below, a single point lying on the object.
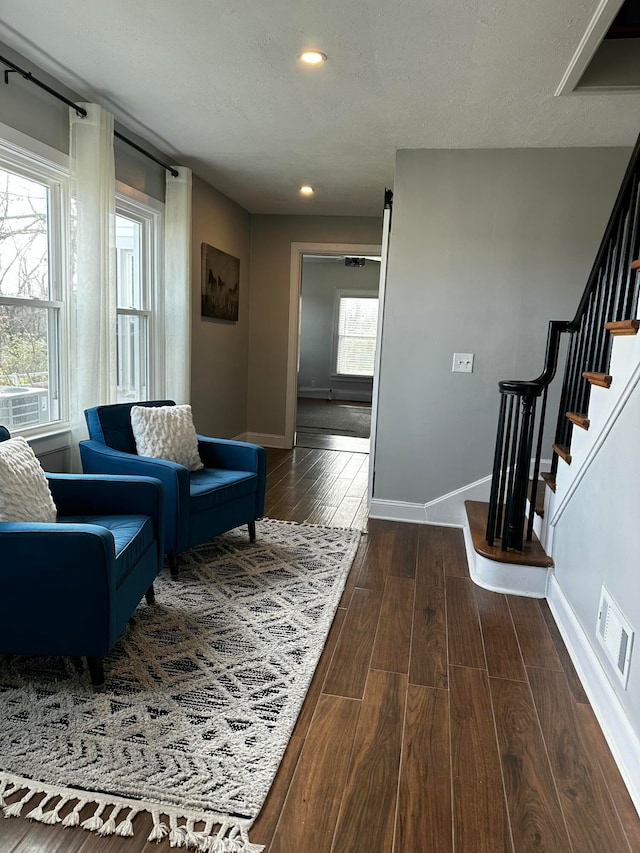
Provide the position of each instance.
(508, 546)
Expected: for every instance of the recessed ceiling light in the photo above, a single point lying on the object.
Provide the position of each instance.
(313, 57)
(306, 190)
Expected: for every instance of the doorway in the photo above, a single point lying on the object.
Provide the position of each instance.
(336, 350)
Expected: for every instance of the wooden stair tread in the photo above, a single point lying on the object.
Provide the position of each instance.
(623, 327)
(549, 479)
(579, 420)
(532, 554)
(563, 452)
(603, 380)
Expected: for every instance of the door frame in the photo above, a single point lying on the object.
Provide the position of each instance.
(295, 296)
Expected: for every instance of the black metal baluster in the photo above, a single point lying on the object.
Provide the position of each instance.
(495, 477)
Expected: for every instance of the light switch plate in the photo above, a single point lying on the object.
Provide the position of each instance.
(462, 362)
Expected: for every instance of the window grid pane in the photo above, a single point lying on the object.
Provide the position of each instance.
(133, 370)
(357, 325)
(129, 276)
(29, 333)
(28, 365)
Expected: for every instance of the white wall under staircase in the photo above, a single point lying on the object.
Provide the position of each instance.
(590, 530)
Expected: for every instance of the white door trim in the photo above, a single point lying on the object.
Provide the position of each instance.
(293, 352)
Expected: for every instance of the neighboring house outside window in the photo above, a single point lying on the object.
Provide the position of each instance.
(138, 298)
(355, 329)
(34, 204)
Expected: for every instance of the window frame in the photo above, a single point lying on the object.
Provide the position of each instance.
(349, 294)
(149, 213)
(36, 162)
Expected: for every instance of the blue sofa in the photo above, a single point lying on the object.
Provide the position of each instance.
(70, 587)
(199, 505)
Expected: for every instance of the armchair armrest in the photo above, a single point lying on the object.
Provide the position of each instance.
(72, 592)
(232, 455)
(236, 456)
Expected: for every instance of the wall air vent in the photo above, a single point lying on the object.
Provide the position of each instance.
(615, 636)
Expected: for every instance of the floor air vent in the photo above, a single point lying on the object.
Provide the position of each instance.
(615, 636)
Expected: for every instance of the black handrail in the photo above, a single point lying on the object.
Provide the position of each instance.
(611, 293)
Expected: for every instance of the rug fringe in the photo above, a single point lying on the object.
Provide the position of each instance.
(221, 834)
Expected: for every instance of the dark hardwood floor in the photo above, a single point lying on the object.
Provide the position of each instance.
(441, 717)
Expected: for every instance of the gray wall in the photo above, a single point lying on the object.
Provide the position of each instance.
(320, 281)
(486, 248)
(219, 348)
(271, 239)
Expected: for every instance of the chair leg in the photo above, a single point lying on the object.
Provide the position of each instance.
(96, 671)
(150, 595)
(252, 531)
(173, 565)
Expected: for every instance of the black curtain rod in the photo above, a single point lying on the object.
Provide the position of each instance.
(79, 110)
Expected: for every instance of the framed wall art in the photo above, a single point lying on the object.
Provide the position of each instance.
(220, 284)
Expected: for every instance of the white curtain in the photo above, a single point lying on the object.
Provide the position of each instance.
(177, 286)
(93, 332)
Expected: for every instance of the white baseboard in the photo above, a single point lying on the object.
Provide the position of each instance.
(334, 394)
(267, 440)
(350, 396)
(446, 511)
(315, 393)
(397, 511)
(615, 725)
(404, 511)
(449, 509)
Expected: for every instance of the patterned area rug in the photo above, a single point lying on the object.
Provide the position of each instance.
(318, 416)
(203, 691)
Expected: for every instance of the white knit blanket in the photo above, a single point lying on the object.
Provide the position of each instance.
(203, 691)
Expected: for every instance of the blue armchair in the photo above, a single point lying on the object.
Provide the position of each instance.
(199, 505)
(70, 587)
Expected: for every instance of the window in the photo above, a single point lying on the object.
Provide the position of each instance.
(33, 285)
(139, 339)
(355, 334)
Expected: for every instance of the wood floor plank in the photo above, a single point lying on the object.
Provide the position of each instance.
(429, 559)
(428, 662)
(317, 682)
(500, 642)
(354, 572)
(480, 823)
(404, 553)
(535, 641)
(366, 820)
(312, 804)
(592, 820)
(346, 511)
(374, 571)
(535, 814)
(618, 790)
(454, 553)
(568, 668)
(424, 818)
(393, 637)
(348, 671)
(464, 637)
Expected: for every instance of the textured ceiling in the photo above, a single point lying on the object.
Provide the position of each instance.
(217, 86)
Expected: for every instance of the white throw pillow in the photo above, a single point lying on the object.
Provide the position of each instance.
(166, 432)
(24, 490)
